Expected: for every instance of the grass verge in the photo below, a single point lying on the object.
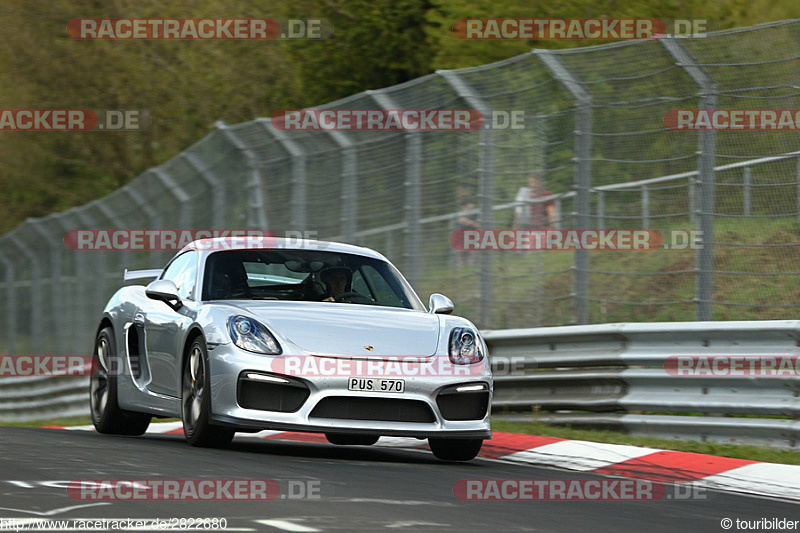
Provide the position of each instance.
(72, 421)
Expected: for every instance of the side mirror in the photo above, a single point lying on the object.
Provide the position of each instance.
(440, 304)
(165, 291)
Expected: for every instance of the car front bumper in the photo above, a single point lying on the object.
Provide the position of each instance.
(330, 407)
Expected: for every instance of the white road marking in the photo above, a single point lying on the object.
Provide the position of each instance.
(21, 484)
(416, 524)
(394, 502)
(54, 511)
(579, 455)
(759, 478)
(285, 525)
(260, 435)
(399, 442)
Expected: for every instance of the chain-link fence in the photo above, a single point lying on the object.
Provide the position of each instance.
(594, 131)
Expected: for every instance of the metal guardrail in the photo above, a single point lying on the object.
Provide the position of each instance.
(600, 376)
(613, 376)
(28, 399)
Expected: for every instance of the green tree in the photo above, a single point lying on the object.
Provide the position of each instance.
(375, 44)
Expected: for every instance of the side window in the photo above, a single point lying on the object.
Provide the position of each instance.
(359, 285)
(383, 291)
(183, 272)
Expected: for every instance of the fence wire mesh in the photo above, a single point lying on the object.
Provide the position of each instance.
(594, 132)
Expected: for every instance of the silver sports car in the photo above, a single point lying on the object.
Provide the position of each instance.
(302, 336)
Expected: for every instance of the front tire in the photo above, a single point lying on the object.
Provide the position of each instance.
(107, 416)
(351, 439)
(455, 449)
(196, 401)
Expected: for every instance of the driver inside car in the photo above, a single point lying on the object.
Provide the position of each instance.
(337, 282)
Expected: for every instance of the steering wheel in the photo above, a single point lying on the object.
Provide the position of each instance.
(313, 290)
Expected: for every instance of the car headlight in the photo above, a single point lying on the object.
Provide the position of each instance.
(253, 336)
(466, 347)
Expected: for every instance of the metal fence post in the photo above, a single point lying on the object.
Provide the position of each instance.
(645, 207)
(83, 280)
(413, 201)
(748, 184)
(485, 184)
(349, 191)
(72, 319)
(178, 193)
(705, 279)
(797, 175)
(583, 208)
(217, 191)
(413, 207)
(87, 305)
(36, 292)
(486, 193)
(181, 196)
(583, 175)
(11, 304)
(298, 181)
(349, 175)
(114, 219)
(704, 283)
(56, 249)
(256, 213)
(559, 217)
(152, 214)
(601, 210)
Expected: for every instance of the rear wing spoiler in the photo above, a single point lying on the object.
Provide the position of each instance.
(131, 275)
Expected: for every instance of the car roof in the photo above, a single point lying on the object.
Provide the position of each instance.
(218, 244)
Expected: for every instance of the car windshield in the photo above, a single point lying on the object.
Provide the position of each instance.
(305, 275)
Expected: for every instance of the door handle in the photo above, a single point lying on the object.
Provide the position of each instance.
(138, 319)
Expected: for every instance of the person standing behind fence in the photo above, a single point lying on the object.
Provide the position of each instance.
(540, 215)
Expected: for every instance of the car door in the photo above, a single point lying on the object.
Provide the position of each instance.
(165, 328)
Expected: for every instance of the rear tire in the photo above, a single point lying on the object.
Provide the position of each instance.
(455, 449)
(196, 401)
(351, 439)
(107, 416)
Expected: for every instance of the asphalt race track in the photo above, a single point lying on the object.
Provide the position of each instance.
(360, 488)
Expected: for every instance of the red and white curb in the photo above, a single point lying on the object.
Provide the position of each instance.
(713, 472)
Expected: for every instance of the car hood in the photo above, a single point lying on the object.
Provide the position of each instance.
(348, 330)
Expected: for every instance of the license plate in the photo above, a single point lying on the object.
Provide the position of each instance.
(376, 385)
